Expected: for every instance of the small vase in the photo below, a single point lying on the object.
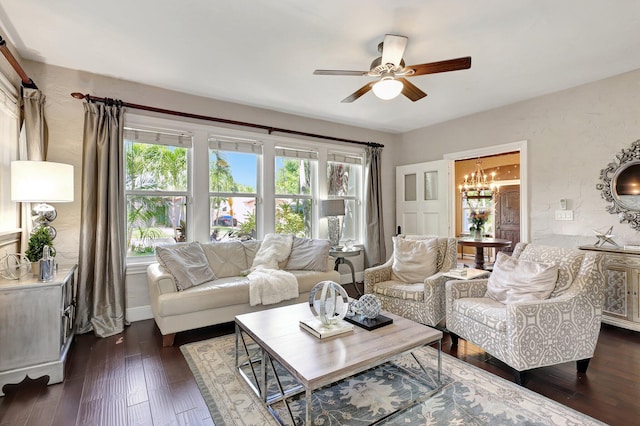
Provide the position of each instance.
(477, 234)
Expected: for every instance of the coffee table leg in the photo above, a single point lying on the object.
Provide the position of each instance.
(307, 416)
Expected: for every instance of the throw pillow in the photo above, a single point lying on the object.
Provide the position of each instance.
(517, 280)
(187, 263)
(273, 249)
(308, 255)
(414, 260)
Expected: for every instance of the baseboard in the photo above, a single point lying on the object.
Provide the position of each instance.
(139, 313)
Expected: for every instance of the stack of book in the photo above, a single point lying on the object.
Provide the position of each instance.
(460, 272)
(315, 327)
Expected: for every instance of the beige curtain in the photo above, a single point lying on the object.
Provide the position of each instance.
(101, 270)
(374, 246)
(32, 146)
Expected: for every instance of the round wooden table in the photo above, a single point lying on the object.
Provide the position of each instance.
(480, 245)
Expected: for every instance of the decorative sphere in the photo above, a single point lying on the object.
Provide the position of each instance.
(328, 302)
(14, 266)
(369, 306)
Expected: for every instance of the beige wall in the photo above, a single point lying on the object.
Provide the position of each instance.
(571, 136)
(65, 119)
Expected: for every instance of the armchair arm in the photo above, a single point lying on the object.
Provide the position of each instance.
(377, 274)
(434, 296)
(458, 289)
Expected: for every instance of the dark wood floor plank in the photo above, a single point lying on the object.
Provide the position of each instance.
(136, 382)
(161, 404)
(139, 415)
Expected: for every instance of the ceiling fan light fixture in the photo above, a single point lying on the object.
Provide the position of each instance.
(387, 88)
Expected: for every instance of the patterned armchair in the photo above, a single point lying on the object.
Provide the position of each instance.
(527, 335)
(423, 302)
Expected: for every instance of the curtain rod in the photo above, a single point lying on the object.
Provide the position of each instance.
(26, 81)
(270, 129)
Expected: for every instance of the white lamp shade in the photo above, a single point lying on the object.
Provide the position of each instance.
(41, 181)
(332, 208)
(387, 88)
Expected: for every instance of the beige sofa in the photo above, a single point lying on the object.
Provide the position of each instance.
(220, 300)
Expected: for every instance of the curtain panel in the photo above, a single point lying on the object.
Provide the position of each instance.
(101, 269)
(374, 243)
(32, 146)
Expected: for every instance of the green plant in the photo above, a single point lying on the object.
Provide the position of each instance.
(39, 238)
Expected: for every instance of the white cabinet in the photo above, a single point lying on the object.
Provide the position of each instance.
(36, 326)
(622, 279)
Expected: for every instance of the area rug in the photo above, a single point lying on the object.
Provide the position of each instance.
(470, 396)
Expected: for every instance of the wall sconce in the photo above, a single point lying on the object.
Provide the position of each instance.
(42, 182)
(332, 209)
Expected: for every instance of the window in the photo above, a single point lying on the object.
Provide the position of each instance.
(195, 182)
(156, 189)
(295, 172)
(478, 204)
(344, 181)
(233, 187)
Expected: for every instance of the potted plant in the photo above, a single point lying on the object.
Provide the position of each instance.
(39, 238)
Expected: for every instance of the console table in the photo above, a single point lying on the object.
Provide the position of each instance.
(622, 286)
(36, 326)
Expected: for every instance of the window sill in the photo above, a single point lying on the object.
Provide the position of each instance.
(139, 265)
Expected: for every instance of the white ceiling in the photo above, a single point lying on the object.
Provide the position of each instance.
(263, 53)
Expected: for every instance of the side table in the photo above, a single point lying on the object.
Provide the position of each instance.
(341, 256)
(37, 325)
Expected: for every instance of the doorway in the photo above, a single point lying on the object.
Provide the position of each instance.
(510, 214)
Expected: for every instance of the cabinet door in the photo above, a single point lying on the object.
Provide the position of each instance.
(616, 291)
(634, 297)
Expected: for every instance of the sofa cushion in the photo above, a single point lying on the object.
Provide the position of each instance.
(251, 247)
(414, 260)
(568, 261)
(273, 249)
(308, 255)
(187, 264)
(516, 280)
(484, 310)
(226, 258)
(400, 290)
(210, 295)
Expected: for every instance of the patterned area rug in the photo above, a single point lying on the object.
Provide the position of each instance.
(470, 396)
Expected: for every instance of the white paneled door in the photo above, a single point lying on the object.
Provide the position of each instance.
(422, 198)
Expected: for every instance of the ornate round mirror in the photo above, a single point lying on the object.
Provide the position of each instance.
(621, 185)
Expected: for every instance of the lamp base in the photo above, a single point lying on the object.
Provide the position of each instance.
(42, 214)
(333, 223)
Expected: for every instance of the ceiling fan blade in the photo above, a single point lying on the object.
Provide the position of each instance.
(393, 49)
(340, 72)
(442, 66)
(411, 91)
(361, 91)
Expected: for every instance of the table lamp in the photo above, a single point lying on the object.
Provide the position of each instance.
(332, 209)
(42, 182)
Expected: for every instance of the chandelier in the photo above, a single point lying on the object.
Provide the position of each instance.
(478, 185)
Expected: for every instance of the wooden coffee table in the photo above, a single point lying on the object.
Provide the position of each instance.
(314, 362)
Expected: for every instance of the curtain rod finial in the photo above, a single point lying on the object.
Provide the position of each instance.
(78, 95)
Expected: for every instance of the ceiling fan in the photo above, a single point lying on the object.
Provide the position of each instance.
(391, 70)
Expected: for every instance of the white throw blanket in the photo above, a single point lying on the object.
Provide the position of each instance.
(268, 284)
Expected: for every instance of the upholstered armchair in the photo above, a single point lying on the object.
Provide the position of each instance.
(529, 334)
(421, 300)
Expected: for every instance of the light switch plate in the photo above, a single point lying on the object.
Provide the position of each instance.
(564, 214)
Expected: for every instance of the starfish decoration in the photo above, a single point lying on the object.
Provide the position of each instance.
(605, 237)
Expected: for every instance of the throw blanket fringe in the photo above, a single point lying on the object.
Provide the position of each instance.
(269, 286)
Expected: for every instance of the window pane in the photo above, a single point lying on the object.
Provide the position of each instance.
(232, 218)
(293, 176)
(342, 179)
(155, 167)
(154, 220)
(293, 216)
(232, 171)
(349, 224)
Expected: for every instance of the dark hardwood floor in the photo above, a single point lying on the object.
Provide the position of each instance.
(130, 379)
